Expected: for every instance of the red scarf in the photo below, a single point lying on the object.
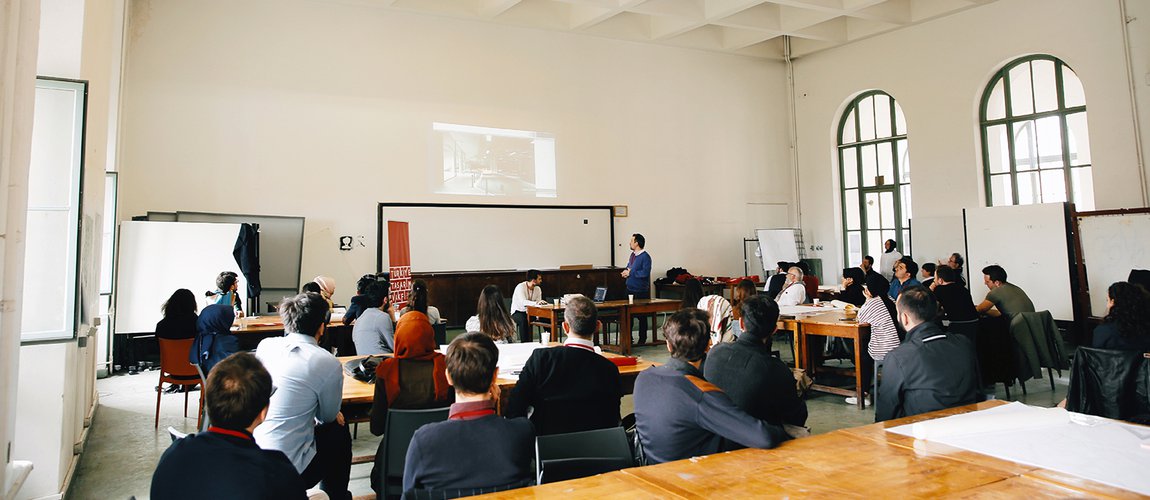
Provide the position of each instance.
(414, 339)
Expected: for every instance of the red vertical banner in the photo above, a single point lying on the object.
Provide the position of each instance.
(399, 262)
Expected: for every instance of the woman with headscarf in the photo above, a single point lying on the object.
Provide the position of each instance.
(415, 378)
(326, 289)
(853, 280)
(214, 338)
(878, 311)
(179, 316)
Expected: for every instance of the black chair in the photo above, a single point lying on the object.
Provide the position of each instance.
(387, 476)
(560, 457)
(1110, 383)
(414, 494)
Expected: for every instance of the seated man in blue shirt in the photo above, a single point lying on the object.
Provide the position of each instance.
(904, 271)
(224, 461)
(309, 383)
(475, 449)
(678, 414)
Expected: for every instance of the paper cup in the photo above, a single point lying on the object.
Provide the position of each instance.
(630, 299)
(816, 302)
(546, 336)
(556, 303)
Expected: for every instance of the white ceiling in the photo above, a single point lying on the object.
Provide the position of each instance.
(749, 27)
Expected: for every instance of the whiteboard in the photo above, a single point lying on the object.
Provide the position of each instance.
(158, 258)
(1115, 244)
(777, 245)
(1030, 243)
(281, 244)
(500, 237)
(935, 238)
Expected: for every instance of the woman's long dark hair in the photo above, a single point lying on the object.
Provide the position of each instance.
(419, 296)
(494, 321)
(1131, 310)
(878, 287)
(692, 294)
(743, 291)
(181, 303)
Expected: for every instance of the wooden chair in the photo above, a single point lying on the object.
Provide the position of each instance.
(175, 369)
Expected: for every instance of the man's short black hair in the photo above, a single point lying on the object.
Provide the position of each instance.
(869, 259)
(310, 287)
(581, 315)
(304, 313)
(471, 361)
(238, 389)
(532, 274)
(947, 274)
(804, 267)
(995, 272)
(760, 315)
(225, 280)
(640, 240)
(930, 268)
(918, 303)
(688, 333)
(958, 259)
(364, 282)
(911, 266)
(376, 294)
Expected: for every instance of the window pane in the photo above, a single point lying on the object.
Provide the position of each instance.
(886, 202)
(850, 168)
(1050, 142)
(882, 116)
(874, 244)
(873, 219)
(866, 119)
(46, 237)
(996, 104)
(1045, 90)
(854, 248)
(906, 215)
(899, 120)
(903, 162)
(905, 247)
(1021, 99)
(1053, 186)
(1082, 181)
(1072, 92)
(1025, 151)
(996, 149)
(1000, 193)
(869, 164)
(849, 128)
(1079, 136)
(851, 208)
(886, 162)
(1029, 191)
(53, 148)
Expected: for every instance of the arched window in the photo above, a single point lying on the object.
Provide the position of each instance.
(874, 174)
(1035, 145)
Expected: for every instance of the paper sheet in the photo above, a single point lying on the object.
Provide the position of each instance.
(802, 310)
(1099, 449)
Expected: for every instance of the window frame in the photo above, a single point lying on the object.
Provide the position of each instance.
(1009, 121)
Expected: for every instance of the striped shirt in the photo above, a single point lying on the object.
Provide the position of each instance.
(883, 333)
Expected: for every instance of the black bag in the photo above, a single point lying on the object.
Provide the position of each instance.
(363, 369)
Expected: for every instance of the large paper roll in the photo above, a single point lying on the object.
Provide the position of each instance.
(1006, 418)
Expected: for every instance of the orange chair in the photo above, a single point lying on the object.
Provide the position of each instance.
(177, 370)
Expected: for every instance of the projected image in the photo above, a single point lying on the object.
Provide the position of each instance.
(494, 162)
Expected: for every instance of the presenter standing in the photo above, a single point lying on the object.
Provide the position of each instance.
(526, 293)
(638, 276)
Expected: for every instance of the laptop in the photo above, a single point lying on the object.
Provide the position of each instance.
(600, 294)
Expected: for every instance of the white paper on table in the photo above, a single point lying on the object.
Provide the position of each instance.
(512, 357)
(800, 310)
(1099, 449)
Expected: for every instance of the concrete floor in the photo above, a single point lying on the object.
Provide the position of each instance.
(121, 452)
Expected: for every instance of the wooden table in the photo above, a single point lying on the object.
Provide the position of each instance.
(849, 463)
(549, 314)
(832, 323)
(251, 330)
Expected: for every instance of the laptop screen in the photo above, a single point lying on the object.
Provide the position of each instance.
(600, 294)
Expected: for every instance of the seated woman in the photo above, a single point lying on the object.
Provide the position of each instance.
(692, 294)
(1127, 324)
(418, 302)
(743, 291)
(415, 378)
(179, 316)
(374, 333)
(214, 338)
(327, 290)
(491, 318)
(853, 281)
(879, 311)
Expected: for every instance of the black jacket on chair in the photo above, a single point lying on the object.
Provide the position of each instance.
(571, 389)
(1110, 383)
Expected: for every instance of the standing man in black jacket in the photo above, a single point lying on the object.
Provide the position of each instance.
(571, 388)
(756, 381)
(931, 370)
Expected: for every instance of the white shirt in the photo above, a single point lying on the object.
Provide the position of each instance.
(886, 264)
(523, 297)
(793, 295)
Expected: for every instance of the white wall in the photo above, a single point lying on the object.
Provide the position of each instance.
(322, 109)
(937, 72)
(57, 380)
